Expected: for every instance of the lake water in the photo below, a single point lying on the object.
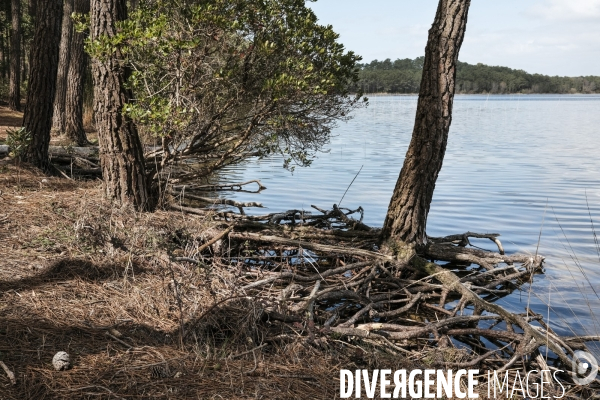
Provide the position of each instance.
(514, 165)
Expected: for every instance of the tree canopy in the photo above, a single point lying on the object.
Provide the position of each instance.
(218, 81)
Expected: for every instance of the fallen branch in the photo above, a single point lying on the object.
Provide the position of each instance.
(452, 282)
(487, 259)
(291, 275)
(232, 186)
(310, 246)
(62, 151)
(209, 200)
(9, 373)
(463, 239)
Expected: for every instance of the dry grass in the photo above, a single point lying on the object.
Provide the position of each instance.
(74, 270)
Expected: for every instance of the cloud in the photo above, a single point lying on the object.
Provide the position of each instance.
(567, 10)
(554, 37)
(545, 49)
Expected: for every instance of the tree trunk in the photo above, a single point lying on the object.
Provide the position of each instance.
(32, 8)
(121, 155)
(75, 80)
(64, 59)
(407, 213)
(14, 95)
(24, 58)
(3, 52)
(37, 118)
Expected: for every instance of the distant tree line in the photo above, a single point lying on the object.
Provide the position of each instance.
(404, 76)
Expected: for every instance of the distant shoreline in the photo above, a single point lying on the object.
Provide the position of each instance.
(382, 94)
(403, 76)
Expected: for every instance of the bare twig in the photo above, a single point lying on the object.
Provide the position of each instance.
(9, 373)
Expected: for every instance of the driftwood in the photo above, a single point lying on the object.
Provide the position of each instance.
(337, 218)
(315, 283)
(212, 188)
(453, 283)
(309, 245)
(215, 201)
(463, 239)
(62, 151)
(70, 162)
(487, 259)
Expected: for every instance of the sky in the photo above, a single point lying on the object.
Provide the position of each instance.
(552, 37)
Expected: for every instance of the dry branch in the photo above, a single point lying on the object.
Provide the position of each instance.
(231, 186)
(450, 280)
(388, 304)
(463, 239)
(9, 373)
(209, 200)
(309, 245)
(486, 259)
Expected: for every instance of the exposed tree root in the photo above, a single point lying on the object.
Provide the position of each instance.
(329, 284)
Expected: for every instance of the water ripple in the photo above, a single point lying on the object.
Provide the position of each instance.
(513, 164)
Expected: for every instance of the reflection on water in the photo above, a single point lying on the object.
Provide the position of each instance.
(514, 165)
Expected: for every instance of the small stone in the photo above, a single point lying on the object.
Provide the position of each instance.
(44, 180)
(61, 361)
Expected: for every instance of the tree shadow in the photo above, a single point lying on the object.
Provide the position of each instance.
(69, 269)
(136, 360)
(147, 363)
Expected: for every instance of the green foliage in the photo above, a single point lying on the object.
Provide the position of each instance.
(400, 76)
(81, 22)
(224, 80)
(18, 140)
(404, 76)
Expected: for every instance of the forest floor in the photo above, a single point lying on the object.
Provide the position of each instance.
(8, 119)
(13, 119)
(76, 276)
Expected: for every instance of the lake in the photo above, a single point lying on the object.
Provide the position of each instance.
(517, 165)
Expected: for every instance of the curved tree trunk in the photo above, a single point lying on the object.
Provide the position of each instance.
(64, 60)
(407, 213)
(14, 94)
(75, 80)
(121, 155)
(37, 118)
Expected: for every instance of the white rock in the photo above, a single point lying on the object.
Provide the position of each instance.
(61, 361)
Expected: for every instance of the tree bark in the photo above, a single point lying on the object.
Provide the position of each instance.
(407, 213)
(121, 154)
(32, 7)
(37, 118)
(14, 95)
(75, 81)
(64, 60)
(4, 45)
